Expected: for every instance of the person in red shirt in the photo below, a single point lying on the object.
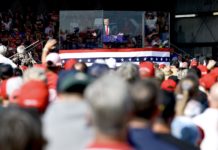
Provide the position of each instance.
(111, 109)
(53, 65)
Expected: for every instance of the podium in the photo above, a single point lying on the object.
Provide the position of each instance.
(114, 41)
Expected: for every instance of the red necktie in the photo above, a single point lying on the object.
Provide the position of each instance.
(107, 31)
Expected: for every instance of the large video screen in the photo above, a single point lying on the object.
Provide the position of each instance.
(113, 29)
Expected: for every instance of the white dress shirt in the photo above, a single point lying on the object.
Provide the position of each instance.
(208, 121)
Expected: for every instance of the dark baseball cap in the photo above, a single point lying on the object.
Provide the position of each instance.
(73, 82)
(97, 70)
(6, 71)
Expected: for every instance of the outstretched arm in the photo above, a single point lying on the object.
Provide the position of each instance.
(48, 46)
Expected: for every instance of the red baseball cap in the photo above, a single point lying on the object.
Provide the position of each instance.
(168, 85)
(146, 69)
(70, 64)
(161, 66)
(34, 94)
(194, 63)
(23, 68)
(207, 81)
(203, 70)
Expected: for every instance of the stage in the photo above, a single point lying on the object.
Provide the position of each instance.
(135, 55)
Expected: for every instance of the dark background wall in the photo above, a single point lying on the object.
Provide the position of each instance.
(164, 5)
(198, 35)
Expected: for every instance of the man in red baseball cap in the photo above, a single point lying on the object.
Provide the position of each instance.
(34, 94)
(168, 85)
(207, 81)
(194, 63)
(146, 69)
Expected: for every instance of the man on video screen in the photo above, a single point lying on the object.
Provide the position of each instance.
(111, 39)
(106, 29)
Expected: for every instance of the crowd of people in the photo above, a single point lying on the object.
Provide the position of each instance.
(48, 104)
(24, 27)
(157, 32)
(88, 39)
(56, 105)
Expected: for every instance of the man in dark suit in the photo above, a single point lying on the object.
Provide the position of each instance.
(109, 35)
(106, 34)
(106, 27)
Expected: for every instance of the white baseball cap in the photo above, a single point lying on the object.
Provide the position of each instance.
(54, 58)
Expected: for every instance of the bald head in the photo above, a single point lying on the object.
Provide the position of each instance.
(213, 95)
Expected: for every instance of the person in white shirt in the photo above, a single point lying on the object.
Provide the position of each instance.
(150, 21)
(208, 121)
(3, 59)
